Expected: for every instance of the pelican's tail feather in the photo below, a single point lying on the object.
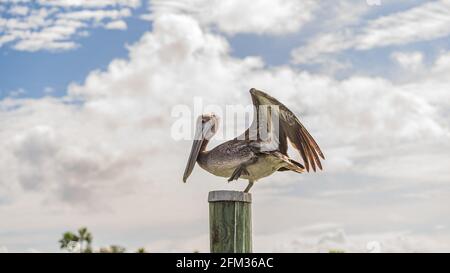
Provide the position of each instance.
(290, 164)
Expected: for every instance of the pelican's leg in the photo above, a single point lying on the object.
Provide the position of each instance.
(249, 186)
(242, 169)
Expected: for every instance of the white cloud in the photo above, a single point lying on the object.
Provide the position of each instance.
(49, 90)
(231, 17)
(17, 92)
(120, 24)
(6, 39)
(54, 37)
(36, 19)
(55, 25)
(14, 1)
(424, 22)
(36, 45)
(299, 240)
(90, 3)
(409, 63)
(96, 15)
(408, 60)
(19, 10)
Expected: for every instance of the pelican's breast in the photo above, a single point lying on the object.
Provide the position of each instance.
(225, 158)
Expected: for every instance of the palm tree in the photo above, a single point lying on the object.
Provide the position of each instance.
(68, 240)
(85, 236)
(83, 239)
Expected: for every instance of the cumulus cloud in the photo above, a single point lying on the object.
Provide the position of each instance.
(420, 23)
(335, 239)
(89, 3)
(231, 17)
(106, 148)
(408, 60)
(19, 10)
(55, 25)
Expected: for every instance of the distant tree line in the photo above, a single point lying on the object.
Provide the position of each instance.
(81, 242)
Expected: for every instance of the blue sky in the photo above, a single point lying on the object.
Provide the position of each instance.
(56, 70)
(44, 70)
(36, 71)
(370, 82)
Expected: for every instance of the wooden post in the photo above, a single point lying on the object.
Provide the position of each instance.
(230, 222)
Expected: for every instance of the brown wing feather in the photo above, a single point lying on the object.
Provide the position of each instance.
(290, 128)
(283, 147)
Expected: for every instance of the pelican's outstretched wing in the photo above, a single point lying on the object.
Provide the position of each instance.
(289, 127)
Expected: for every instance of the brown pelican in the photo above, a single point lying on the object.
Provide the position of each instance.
(261, 150)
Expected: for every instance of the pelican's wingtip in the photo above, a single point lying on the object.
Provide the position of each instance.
(259, 93)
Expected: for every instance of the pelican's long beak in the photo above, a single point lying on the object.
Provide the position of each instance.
(201, 132)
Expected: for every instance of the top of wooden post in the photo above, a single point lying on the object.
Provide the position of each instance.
(234, 196)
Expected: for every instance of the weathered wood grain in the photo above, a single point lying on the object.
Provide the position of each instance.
(230, 222)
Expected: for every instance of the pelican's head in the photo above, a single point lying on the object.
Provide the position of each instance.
(206, 127)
